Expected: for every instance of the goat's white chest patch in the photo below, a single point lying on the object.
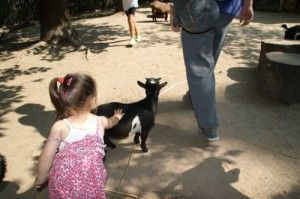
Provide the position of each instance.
(136, 125)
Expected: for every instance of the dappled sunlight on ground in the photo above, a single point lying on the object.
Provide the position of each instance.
(259, 150)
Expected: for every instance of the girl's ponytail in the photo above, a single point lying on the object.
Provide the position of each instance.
(73, 93)
(56, 99)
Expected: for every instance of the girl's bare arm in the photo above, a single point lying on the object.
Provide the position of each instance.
(47, 154)
(112, 121)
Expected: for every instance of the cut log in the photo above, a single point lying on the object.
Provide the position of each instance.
(283, 79)
(266, 76)
(272, 45)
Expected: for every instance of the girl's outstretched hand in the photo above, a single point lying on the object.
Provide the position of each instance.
(118, 113)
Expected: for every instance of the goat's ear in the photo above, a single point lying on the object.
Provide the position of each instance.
(141, 84)
(158, 79)
(163, 85)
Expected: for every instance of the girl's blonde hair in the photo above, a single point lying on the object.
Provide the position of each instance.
(71, 92)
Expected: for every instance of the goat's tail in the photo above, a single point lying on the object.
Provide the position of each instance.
(284, 26)
(2, 167)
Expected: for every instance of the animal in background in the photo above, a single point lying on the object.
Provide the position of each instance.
(139, 117)
(2, 167)
(160, 9)
(292, 33)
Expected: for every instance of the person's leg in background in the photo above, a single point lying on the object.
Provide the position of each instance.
(134, 33)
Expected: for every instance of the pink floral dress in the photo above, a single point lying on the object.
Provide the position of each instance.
(78, 171)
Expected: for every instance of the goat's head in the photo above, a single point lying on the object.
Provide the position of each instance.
(152, 86)
(284, 26)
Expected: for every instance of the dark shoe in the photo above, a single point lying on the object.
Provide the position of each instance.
(209, 134)
(187, 100)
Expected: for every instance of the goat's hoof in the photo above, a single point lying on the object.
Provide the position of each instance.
(136, 141)
(145, 149)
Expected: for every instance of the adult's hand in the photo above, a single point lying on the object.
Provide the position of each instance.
(247, 13)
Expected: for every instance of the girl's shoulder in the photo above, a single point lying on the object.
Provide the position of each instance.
(58, 130)
(60, 126)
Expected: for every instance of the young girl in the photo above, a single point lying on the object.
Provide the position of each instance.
(72, 156)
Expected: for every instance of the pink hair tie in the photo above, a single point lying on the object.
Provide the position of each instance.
(61, 80)
(70, 81)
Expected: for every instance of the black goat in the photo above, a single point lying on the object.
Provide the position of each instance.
(292, 33)
(139, 116)
(2, 167)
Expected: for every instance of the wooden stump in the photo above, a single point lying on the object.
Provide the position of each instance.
(284, 83)
(267, 82)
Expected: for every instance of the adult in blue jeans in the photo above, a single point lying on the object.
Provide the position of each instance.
(201, 53)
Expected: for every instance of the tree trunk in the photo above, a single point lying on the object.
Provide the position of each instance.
(55, 22)
(117, 4)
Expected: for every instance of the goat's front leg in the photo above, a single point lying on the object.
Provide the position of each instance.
(166, 17)
(136, 139)
(108, 143)
(144, 136)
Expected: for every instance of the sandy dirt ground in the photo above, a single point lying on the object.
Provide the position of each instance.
(258, 155)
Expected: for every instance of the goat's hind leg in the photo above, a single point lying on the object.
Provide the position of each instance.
(136, 139)
(144, 136)
(108, 142)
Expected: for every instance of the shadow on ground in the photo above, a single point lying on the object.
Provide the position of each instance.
(268, 118)
(12, 94)
(244, 42)
(168, 170)
(245, 90)
(96, 37)
(208, 180)
(174, 167)
(8, 96)
(9, 190)
(294, 193)
(35, 115)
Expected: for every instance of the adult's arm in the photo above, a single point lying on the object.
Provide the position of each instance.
(247, 13)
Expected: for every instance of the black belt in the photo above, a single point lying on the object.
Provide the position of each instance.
(197, 32)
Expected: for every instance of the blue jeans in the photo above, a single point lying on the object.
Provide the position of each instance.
(201, 52)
